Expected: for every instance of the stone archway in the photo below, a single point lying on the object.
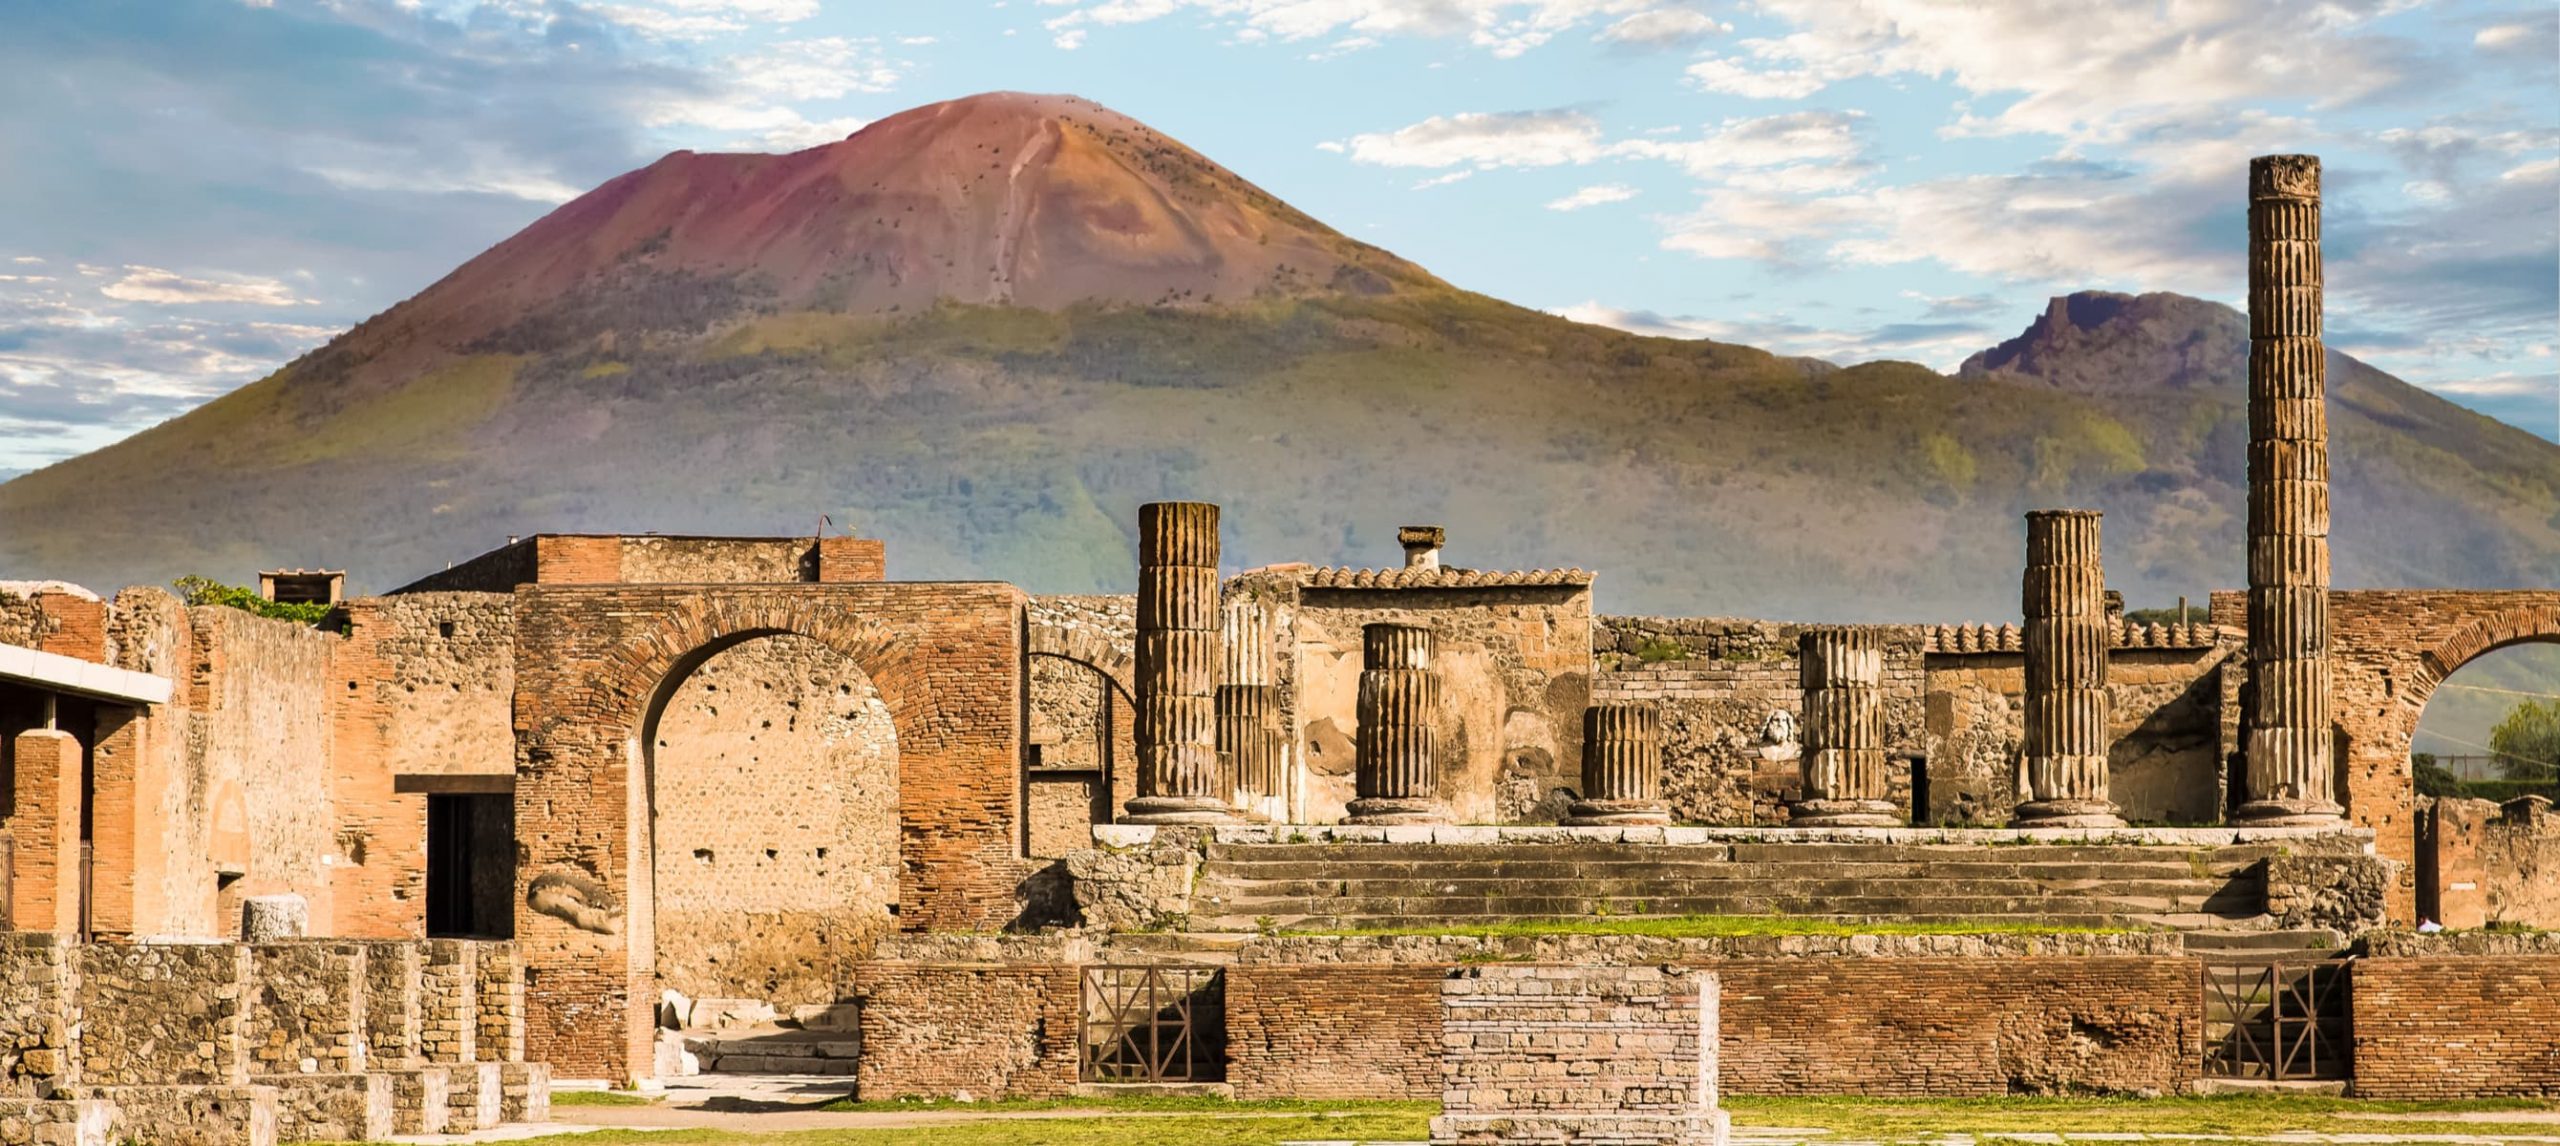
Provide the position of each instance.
(594, 661)
(773, 827)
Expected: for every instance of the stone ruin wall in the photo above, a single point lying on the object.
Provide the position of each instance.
(1515, 675)
(1082, 724)
(776, 824)
(2489, 863)
(1717, 682)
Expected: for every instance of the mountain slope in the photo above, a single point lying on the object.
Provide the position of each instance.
(986, 330)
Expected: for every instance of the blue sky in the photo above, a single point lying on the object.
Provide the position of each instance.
(193, 191)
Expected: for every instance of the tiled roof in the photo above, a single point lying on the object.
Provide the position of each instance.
(2010, 638)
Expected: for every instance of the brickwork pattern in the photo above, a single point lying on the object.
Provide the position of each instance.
(988, 1031)
(2441, 1028)
(498, 1001)
(1583, 1055)
(1296, 1031)
(946, 660)
(393, 1012)
(448, 1001)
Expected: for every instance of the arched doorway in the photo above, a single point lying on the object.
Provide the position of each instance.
(2487, 744)
(1077, 767)
(773, 823)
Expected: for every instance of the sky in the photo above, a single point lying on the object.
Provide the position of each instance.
(194, 191)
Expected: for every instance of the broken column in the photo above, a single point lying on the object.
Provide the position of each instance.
(2289, 779)
(1842, 671)
(1249, 740)
(1621, 767)
(1421, 545)
(2063, 771)
(1399, 696)
(1178, 776)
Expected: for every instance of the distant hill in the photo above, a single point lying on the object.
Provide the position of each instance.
(987, 329)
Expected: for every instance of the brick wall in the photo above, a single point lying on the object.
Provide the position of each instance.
(946, 660)
(497, 1002)
(2460, 1027)
(1333, 1031)
(842, 559)
(2488, 863)
(989, 1031)
(448, 1001)
(1612, 1049)
(1792, 1026)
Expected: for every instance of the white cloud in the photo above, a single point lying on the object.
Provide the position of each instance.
(1486, 139)
(753, 106)
(2080, 71)
(1799, 137)
(1594, 196)
(826, 68)
(152, 284)
(27, 260)
(705, 19)
(1069, 40)
(1662, 28)
(1505, 28)
(1442, 180)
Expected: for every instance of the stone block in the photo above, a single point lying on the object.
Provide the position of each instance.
(55, 1122)
(1130, 835)
(475, 1093)
(268, 918)
(524, 1090)
(332, 1107)
(421, 1100)
(187, 1115)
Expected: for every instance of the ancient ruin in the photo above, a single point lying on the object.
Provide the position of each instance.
(2063, 774)
(2290, 742)
(557, 764)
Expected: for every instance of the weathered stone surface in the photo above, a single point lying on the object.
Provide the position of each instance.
(2064, 759)
(184, 1013)
(308, 1012)
(1845, 779)
(1621, 767)
(1129, 889)
(1578, 1055)
(1179, 779)
(333, 1107)
(1399, 706)
(188, 1115)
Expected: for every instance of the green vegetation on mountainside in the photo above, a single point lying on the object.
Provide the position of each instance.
(1007, 443)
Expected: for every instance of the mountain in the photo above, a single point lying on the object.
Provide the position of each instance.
(986, 329)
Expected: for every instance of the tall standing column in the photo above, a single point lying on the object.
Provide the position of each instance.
(1178, 776)
(1842, 671)
(2289, 778)
(1249, 714)
(1399, 696)
(2063, 778)
(1621, 767)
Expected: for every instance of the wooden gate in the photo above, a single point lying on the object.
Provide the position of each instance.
(2278, 1020)
(1154, 1024)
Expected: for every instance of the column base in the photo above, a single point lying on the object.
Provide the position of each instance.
(2066, 814)
(1844, 814)
(1177, 810)
(1615, 813)
(2290, 814)
(1396, 810)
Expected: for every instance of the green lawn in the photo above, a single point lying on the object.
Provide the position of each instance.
(1212, 1122)
(1725, 926)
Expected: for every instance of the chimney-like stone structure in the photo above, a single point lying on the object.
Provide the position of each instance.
(1422, 545)
(1179, 781)
(1621, 767)
(2070, 624)
(2288, 779)
(1399, 696)
(1842, 672)
(1249, 740)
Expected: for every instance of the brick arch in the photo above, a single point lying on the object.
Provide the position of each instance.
(2485, 635)
(593, 664)
(1086, 647)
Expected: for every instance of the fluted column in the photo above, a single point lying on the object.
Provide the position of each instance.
(2064, 773)
(1249, 741)
(1621, 767)
(1178, 776)
(2289, 778)
(1399, 695)
(1842, 671)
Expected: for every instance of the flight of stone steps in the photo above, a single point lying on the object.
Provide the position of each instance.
(1332, 885)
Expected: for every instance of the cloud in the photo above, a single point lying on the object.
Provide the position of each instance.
(1939, 344)
(2080, 71)
(1593, 196)
(1442, 180)
(1662, 28)
(1486, 139)
(705, 19)
(151, 284)
(1504, 28)
(1817, 138)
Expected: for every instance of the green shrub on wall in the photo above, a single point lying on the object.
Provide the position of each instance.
(196, 590)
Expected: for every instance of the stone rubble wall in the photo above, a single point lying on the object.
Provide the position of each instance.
(2489, 864)
(308, 1015)
(39, 1012)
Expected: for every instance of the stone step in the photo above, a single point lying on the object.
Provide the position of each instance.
(1224, 886)
(1561, 869)
(1481, 908)
(777, 1052)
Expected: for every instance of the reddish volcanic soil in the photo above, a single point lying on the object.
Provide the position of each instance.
(1006, 198)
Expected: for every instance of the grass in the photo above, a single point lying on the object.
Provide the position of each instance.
(1725, 926)
(1130, 1121)
(600, 1098)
